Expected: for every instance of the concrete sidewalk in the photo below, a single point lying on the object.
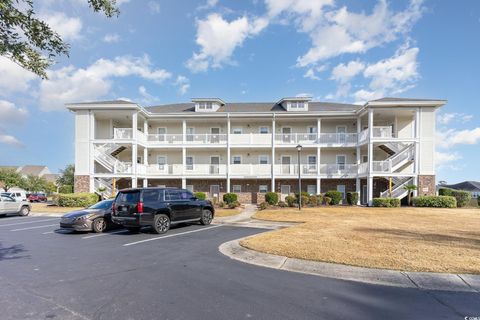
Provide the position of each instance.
(244, 219)
(419, 280)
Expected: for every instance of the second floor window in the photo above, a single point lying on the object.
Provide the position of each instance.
(189, 163)
(237, 160)
(237, 130)
(263, 159)
(263, 130)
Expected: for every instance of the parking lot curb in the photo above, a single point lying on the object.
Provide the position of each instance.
(419, 280)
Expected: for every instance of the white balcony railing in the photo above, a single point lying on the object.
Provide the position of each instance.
(123, 133)
(296, 138)
(382, 132)
(363, 168)
(206, 169)
(338, 169)
(363, 136)
(292, 169)
(206, 138)
(251, 169)
(251, 139)
(165, 138)
(338, 138)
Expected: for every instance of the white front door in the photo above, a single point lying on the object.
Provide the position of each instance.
(286, 164)
(215, 191)
(284, 191)
(341, 188)
(364, 194)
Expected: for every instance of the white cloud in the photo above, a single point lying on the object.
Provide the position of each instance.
(218, 38)
(111, 38)
(10, 114)
(147, 98)
(390, 76)
(343, 73)
(9, 139)
(183, 84)
(208, 5)
(69, 28)
(445, 159)
(69, 84)
(451, 137)
(13, 78)
(154, 6)
(446, 118)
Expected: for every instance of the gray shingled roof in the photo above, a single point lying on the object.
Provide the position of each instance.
(32, 170)
(253, 107)
(391, 99)
(466, 185)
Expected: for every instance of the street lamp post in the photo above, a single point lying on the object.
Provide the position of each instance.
(299, 149)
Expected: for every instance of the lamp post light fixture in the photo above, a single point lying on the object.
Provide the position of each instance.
(299, 149)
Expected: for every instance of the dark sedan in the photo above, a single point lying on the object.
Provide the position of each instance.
(96, 218)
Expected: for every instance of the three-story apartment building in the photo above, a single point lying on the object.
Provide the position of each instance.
(250, 148)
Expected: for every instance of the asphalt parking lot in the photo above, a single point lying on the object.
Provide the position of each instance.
(51, 274)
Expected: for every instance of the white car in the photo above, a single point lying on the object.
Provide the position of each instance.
(17, 195)
(8, 205)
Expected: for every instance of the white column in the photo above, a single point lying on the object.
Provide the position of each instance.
(184, 131)
(184, 160)
(91, 133)
(417, 148)
(272, 187)
(145, 129)
(228, 152)
(319, 154)
(359, 159)
(134, 148)
(145, 182)
(184, 183)
(111, 128)
(370, 157)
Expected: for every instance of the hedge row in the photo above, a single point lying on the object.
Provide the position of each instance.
(462, 197)
(77, 199)
(435, 201)
(386, 202)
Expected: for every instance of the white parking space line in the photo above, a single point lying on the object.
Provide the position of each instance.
(48, 232)
(105, 234)
(8, 218)
(26, 222)
(170, 236)
(36, 227)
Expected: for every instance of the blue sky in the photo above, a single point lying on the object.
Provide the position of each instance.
(259, 50)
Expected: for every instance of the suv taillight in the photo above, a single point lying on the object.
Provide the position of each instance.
(140, 207)
(113, 207)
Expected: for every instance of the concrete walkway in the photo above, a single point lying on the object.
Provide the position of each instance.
(244, 219)
(420, 280)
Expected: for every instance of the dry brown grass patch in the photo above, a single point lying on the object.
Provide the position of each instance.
(409, 239)
(43, 207)
(226, 212)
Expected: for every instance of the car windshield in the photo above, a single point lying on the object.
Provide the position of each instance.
(105, 204)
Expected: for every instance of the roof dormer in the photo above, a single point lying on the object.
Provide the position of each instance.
(207, 104)
(295, 103)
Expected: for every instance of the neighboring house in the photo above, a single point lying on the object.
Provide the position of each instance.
(38, 171)
(472, 186)
(250, 148)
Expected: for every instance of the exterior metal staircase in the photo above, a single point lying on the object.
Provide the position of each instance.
(103, 187)
(105, 156)
(398, 190)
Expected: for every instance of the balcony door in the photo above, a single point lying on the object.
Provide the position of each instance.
(214, 165)
(341, 160)
(214, 135)
(286, 135)
(312, 163)
(190, 133)
(286, 161)
(162, 163)
(161, 134)
(341, 134)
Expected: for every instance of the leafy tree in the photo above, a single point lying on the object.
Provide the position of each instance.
(10, 178)
(29, 41)
(35, 183)
(66, 176)
(410, 188)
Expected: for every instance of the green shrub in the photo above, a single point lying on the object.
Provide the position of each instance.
(463, 197)
(291, 201)
(281, 204)
(305, 200)
(271, 198)
(221, 204)
(67, 188)
(445, 192)
(230, 198)
(233, 205)
(386, 202)
(200, 195)
(327, 200)
(77, 199)
(313, 201)
(304, 194)
(263, 206)
(319, 199)
(435, 201)
(336, 196)
(352, 198)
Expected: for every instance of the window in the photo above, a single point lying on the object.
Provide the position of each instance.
(236, 188)
(341, 159)
(190, 134)
(312, 189)
(190, 187)
(237, 159)
(263, 130)
(205, 105)
(237, 130)
(189, 163)
(312, 129)
(263, 159)
(297, 105)
(161, 134)
(178, 195)
(364, 158)
(152, 195)
(162, 162)
(263, 188)
(312, 163)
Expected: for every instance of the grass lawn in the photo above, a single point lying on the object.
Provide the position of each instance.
(43, 207)
(409, 239)
(220, 212)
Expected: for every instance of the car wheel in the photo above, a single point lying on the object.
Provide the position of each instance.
(207, 217)
(99, 225)
(133, 229)
(24, 211)
(161, 223)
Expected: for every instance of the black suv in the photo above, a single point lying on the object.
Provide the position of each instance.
(159, 208)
